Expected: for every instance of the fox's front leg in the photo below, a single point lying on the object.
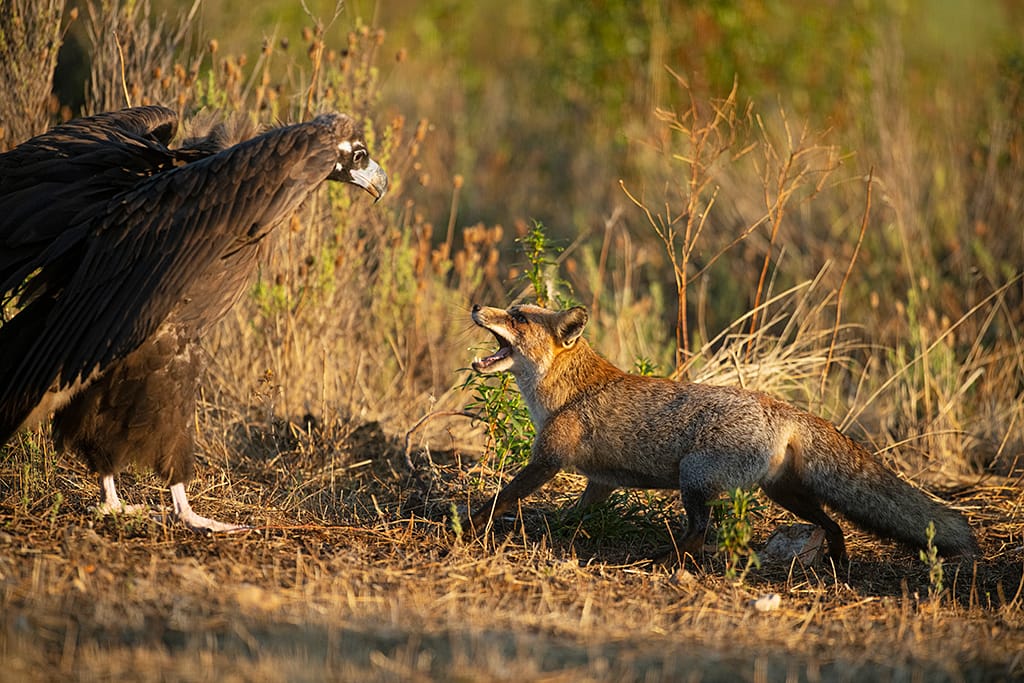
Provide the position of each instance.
(531, 478)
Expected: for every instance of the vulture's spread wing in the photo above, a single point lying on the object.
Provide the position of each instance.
(58, 179)
(109, 280)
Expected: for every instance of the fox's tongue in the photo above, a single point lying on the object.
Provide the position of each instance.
(485, 363)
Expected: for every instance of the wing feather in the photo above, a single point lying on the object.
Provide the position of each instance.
(154, 246)
(60, 178)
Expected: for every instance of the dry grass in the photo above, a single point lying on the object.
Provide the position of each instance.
(30, 35)
(358, 328)
(352, 572)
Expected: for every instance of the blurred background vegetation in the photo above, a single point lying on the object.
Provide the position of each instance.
(543, 106)
(690, 159)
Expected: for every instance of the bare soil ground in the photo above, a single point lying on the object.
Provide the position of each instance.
(352, 572)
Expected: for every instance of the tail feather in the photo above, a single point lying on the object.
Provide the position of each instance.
(852, 481)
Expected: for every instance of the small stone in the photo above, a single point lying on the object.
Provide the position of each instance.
(768, 603)
(802, 541)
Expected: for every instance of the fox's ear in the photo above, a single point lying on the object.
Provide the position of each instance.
(571, 325)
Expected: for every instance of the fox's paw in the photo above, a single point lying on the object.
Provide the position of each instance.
(692, 544)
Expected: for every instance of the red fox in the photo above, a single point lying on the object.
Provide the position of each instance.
(623, 430)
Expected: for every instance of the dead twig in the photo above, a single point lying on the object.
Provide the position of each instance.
(426, 418)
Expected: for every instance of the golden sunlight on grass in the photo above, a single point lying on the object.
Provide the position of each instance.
(869, 275)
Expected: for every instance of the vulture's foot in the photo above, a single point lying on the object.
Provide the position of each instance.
(106, 508)
(202, 525)
(112, 504)
(205, 525)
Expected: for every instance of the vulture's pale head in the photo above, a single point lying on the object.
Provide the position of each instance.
(354, 164)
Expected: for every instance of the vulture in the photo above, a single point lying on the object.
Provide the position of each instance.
(118, 251)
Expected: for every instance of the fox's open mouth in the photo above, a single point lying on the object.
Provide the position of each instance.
(504, 351)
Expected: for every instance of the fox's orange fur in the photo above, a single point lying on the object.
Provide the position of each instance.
(623, 430)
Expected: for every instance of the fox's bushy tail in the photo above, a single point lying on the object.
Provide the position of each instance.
(854, 482)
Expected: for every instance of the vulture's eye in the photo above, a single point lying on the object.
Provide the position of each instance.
(358, 156)
(519, 318)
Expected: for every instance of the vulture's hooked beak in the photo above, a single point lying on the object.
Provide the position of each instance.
(373, 179)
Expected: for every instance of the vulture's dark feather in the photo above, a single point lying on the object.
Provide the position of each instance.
(122, 251)
(60, 177)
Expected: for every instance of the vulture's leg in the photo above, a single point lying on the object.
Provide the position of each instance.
(183, 511)
(111, 503)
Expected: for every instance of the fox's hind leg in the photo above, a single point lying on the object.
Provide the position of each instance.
(695, 490)
(695, 503)
(706, 474)
(790, 493)
(594, 493)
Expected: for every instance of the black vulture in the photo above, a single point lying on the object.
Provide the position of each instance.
(117, 252)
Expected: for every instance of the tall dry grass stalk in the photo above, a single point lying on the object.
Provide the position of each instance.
(709, 133)
(136, 60)
(31, 33)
